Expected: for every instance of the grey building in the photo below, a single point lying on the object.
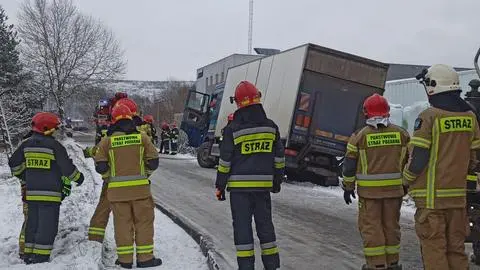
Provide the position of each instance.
(209, 76)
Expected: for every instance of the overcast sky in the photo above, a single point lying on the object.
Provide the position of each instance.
(172, 38)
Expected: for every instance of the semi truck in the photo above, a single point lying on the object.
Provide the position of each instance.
(314, 94)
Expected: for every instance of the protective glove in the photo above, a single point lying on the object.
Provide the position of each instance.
(277, 183)
(220, 194)
(347, 194)
(67, 187)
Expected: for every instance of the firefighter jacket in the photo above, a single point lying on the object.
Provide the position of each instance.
(174, 133)
(126, 155)
(374, 161)
(165, 134)
(444, 141)
(251, 153)
(146, 129)
(42, 162)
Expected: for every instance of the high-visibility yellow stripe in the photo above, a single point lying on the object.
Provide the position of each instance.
(144, 251)
(132, 183)
(420, 142)
(223, 169)
(257, 136)
(28, 250)
(279, 165)
(125, 248)
(379, 183)
(145, 247)
(250, 184)
(245, 253)
(352, 148)
(96, 233)
(270, 251)
(374, 251)
(453, 192)
(41, 251)
(39, 155)
(391, 250)
(349, 179)
(408, 175)
(111, 154)
(472, 178)
(142, 162)
(43, 198)
(125, 252)
(418, 193)
(475, 144)
(363, 161)
(96, 229)
(432, 166)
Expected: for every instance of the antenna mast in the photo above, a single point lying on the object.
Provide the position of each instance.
(250, 27)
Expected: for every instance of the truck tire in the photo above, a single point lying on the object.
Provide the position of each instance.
(203, 156)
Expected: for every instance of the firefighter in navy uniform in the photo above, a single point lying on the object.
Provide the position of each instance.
(165, 139)
(47, 170)
(442, 155)
(126, 155)
(376, 155)
(251, 166)
(174, 133)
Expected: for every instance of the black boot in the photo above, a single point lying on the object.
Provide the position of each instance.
(395, 266)
(150, 263)
(27, 258)
(36, 258)
(124, 265)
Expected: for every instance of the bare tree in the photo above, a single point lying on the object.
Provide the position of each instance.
(66, 49)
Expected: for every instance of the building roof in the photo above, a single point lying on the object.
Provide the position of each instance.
(404, 71)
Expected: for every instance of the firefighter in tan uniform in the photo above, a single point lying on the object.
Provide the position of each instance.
(376, 155)
(126, 155)
(441, 157)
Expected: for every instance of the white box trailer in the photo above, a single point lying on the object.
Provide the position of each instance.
(314, 95)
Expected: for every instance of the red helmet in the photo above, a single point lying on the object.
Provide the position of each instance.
(230, 117)
(376, 105)
(148, 118)
(246, 94)
(174, 124)
(129, 103)
(164, 125)
(45, 123)
(120, 112)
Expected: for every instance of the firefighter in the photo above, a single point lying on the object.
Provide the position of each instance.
(44, 165)
(442, 156)
(165, 139)
(151, 131)
(126, 155)
(251, 166)
(174, 133)
(376, 155)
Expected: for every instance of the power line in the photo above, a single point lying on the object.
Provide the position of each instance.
(250, 27)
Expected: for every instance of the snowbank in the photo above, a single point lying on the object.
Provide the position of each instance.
(72, 250)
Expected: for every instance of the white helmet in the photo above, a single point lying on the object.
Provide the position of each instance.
(441, 78)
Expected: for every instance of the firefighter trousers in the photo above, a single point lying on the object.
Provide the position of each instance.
(21, 238)
(442, 234)
(244, 205)
(41, 229)
(379, 226)
(99, 220)
(173, 146)
(133, 221)
(165, 146)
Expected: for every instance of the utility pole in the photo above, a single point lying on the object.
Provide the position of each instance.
(250, 27)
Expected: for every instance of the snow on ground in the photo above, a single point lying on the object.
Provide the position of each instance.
(71, 249)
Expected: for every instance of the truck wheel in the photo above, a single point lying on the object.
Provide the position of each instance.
(203, 156)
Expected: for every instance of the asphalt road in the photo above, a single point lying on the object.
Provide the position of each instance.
(315, 229)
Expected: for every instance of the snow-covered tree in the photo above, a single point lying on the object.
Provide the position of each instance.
(66, 49)
(9, 56)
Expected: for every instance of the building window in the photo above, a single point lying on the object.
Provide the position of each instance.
(211, 80)
(206, 82)
(216, 78)
(222, 78)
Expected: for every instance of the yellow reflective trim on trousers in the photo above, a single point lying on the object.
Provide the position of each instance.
(43, 198)
(245, 253)
(96, 233)
(250, 184)
(349, 179)
(28, 250)
(39, 155)
(374, 251)
(392, 250)
(223, 169)
(352, 147)
(132, 183)
(363, 161)
(111, 154)
(270, 251)
(432, 166)
(41, 251)
(379, 182)
(257, 136)
(471, 178)
(144, 249)
(142, 162)
(125, 252)
(420, 142)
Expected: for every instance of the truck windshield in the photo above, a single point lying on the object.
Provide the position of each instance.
(197, 101)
